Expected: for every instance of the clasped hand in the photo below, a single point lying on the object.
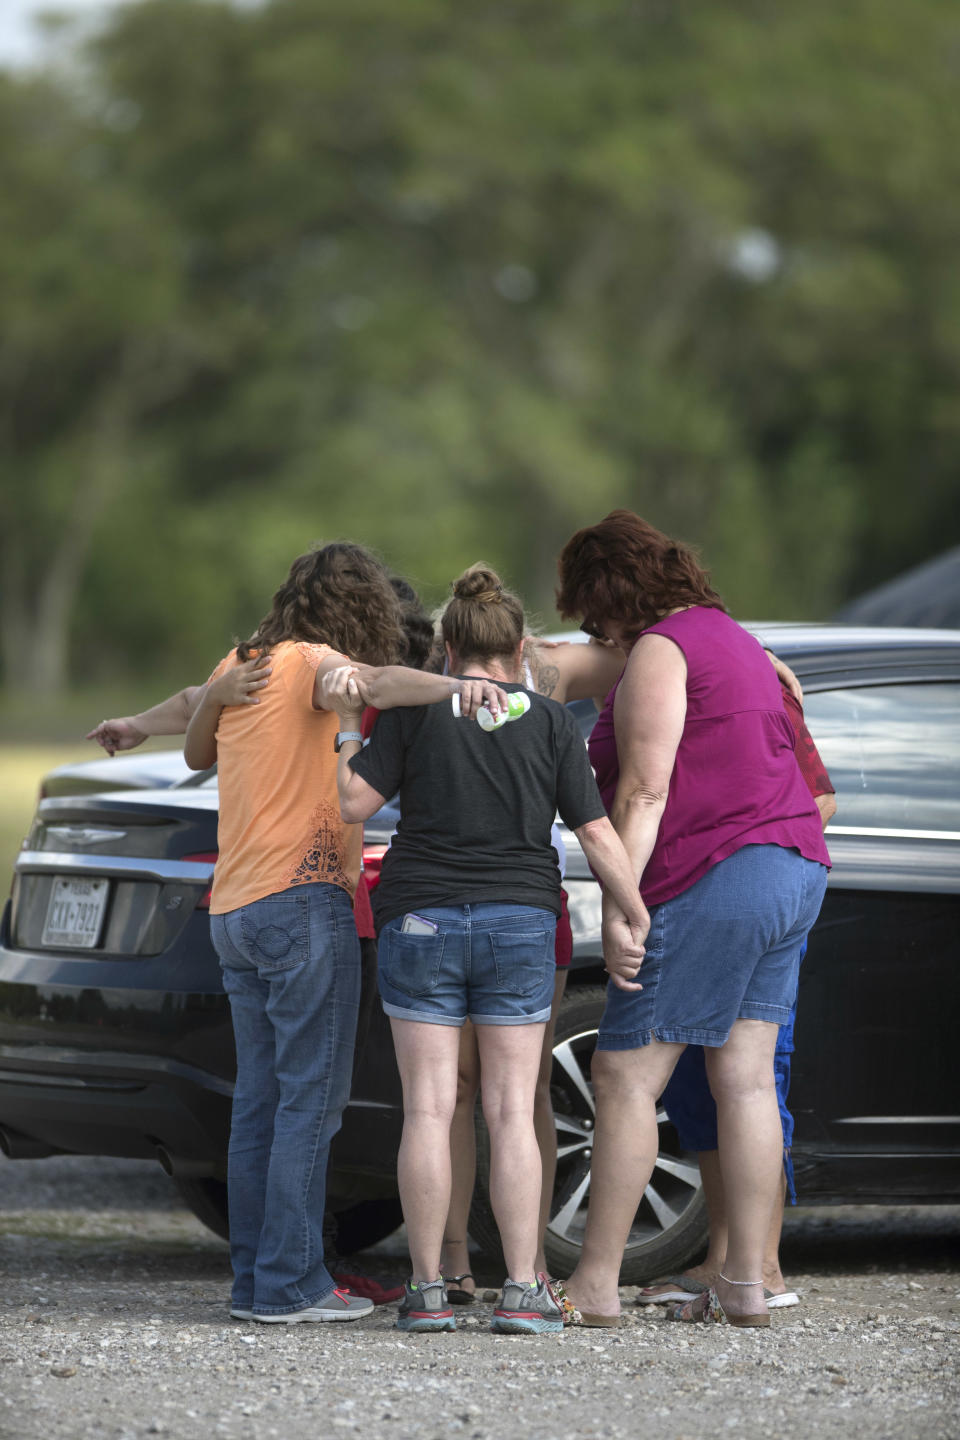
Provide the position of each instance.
(623, 948)
(475, 693)
(342, 694)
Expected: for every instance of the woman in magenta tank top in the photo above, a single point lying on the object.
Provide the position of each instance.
(694, 756)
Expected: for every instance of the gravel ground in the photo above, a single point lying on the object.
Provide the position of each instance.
(113, 1323)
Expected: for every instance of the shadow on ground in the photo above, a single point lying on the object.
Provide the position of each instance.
(126, 1215)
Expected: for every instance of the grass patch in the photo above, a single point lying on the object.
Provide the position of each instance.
(37, 736)
(22, 767)
(159, 1230)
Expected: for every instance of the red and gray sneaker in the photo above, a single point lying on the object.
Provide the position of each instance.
(527, 1307)
(425, 1307)
(381, 1289)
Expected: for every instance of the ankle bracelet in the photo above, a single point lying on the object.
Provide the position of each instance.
(738, 1282)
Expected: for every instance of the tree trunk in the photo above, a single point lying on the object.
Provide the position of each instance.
(36, 611)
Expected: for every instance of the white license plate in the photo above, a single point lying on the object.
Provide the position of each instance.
(75, 913)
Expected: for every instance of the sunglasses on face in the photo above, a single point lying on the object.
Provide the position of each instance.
(591, 628)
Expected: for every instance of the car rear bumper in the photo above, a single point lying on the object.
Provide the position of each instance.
(141, 1068)
(132, 1106)
(97, 1057)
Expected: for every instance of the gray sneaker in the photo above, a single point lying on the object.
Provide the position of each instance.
(425, 1307)
(527, 1307)
(338, 1305)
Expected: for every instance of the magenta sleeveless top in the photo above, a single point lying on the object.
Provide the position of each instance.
(736, 780)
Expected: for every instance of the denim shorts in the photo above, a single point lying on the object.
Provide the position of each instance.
(492, 964)
(727, 949)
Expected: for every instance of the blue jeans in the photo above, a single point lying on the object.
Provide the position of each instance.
(291, 967)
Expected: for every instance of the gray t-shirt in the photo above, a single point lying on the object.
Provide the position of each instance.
(476, 806)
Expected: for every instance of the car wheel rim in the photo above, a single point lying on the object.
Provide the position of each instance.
(674, 1185)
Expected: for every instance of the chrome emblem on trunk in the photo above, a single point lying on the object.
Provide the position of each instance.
(81, 837)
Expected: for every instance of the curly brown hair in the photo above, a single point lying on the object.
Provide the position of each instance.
(623, 569)
(338, 595)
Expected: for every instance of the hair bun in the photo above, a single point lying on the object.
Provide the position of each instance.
(480, 584)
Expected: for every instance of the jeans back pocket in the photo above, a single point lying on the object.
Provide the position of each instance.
(276, 931)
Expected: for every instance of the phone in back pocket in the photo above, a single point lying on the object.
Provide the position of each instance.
(418, 925)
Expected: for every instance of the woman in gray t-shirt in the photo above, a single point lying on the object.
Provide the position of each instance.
(466, 909)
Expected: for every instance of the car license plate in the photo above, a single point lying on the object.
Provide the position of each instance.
(75, 913)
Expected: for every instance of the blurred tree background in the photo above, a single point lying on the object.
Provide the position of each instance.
(453, 281)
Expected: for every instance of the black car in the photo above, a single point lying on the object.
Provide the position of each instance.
(115, 1037)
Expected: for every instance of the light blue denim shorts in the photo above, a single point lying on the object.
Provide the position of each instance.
(727, 949)
(492, 964)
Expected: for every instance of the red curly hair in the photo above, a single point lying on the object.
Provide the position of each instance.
(625, 570)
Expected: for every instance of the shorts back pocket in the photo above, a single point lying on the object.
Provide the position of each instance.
(522, 959)
(411, 963)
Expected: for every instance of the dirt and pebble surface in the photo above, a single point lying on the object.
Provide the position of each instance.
(113, 1323)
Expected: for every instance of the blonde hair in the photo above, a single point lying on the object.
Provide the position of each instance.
(483, 620)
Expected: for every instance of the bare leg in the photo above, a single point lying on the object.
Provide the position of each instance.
(715, 1259)
(427, 1060)
(454, 1256)
(626, 1085)
(772, 1274)
(543, 1121)
(509, 1061)
(712, 1179)
(716, 1256)
(751, 1149)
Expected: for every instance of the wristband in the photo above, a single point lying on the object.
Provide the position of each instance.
(343, 736)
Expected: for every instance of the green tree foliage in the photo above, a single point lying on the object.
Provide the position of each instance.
(456, 280)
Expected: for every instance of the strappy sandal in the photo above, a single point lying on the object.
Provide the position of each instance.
(707, 1310)
(460, 1296)
(673, 1288)
(579, 1319)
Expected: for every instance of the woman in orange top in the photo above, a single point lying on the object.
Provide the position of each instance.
(281, 916)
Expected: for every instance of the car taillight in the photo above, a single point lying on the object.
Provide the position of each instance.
(372, 860)
(208, 857)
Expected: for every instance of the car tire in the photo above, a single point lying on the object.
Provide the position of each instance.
(670, 1228)
(357, 1227)
(207, 1198)
(366, 1223)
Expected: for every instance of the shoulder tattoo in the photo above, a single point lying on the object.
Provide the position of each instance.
(546, 677)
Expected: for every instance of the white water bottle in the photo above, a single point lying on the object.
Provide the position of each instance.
(518, 703)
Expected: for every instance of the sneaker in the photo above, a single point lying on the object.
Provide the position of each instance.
(425, 1307)
(237, 1312)
(527, 1307)
(381, 1289)
(338, 1305)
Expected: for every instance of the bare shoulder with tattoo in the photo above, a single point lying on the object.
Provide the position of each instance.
(546, 675)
